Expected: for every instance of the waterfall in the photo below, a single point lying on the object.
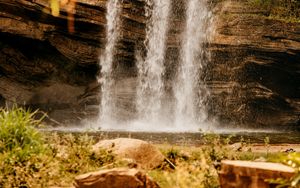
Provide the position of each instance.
(189, 90)
(185, 109)
(151, 69)
(106, 79)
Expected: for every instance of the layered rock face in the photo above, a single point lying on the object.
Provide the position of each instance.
(253, 74)
(42, 65)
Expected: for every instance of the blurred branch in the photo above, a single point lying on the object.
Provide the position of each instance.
(69, 6)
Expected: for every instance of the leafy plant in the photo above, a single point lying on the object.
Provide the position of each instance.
(80, 150)
(20, 144)
(27, 160)
(18, 134)
(293, 160)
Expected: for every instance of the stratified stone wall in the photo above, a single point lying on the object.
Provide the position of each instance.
(253, 75)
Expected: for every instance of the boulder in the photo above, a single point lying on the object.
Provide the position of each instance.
(115, 178)
(244, 174)
(144, 154)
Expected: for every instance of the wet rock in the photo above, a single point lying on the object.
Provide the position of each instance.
(141, 152)
(115, 178)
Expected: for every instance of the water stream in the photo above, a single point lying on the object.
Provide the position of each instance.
(151, 86)
(190, 91)
(106, 79)
(187, 111)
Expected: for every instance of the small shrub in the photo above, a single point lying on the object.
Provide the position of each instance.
(18, 135)
(77, 155)
(293, 160)
(27, 160)
(20, 147)
(217, 148)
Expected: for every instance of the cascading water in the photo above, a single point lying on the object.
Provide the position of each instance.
(106, 62)
(190, 92)
(151, 70)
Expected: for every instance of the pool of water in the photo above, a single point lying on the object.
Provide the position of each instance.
(190, 138)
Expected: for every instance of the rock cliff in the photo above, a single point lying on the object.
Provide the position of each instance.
(44, 66)
(253, 74)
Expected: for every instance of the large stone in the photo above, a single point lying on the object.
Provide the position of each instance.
(246, 174)
(115, 178)
(144, 154)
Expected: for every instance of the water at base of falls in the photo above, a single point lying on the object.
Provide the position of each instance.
(155, 110)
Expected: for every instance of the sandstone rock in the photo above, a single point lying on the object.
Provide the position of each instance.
(36, 50)
(115, 178)
(246, 174)
(239, 146)
(254, 74)
(143, 153)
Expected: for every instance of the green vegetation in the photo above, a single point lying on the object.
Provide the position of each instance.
(288, 10)
(293, 160)
(29, 158)
(18, 134)
(198, 166)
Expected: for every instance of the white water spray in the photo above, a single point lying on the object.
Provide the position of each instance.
(106, 62)
(151, 70)
(189, 90)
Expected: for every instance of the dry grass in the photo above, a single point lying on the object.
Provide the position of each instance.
(29, 158)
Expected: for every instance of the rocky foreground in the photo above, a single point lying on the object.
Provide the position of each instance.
(253, 74)
(142, 157)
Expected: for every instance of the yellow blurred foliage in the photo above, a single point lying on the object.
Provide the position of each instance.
(69, 6)
(55, 7)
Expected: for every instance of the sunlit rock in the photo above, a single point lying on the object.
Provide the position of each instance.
(115, 178)
(144, 154)
(249, 174)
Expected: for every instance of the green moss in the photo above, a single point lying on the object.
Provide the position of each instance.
(286, 10)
